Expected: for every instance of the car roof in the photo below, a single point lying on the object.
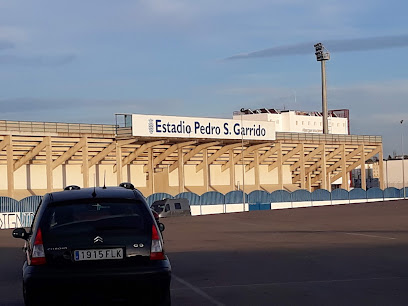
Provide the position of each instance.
(95, 193)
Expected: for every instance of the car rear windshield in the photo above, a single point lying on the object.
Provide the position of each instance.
(99, 214)
(158, 207)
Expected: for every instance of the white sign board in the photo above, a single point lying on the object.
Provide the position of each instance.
(190, 127)
(16, 219)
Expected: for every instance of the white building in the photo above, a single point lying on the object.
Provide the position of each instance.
(298, 121)
(394, 172)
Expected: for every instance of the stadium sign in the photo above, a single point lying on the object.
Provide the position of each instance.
(190, 127)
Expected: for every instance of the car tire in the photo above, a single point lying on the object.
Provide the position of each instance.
(31, 299)
(166, 299)
(28, 300)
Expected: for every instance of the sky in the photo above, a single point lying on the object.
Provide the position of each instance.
(84, 61)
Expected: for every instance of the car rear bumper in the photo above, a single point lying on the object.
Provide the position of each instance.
(62, 284)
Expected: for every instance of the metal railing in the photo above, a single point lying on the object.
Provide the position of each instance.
(328, 137)
(56, 127)
(123, 132)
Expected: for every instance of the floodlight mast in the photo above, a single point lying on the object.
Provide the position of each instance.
(322, 55)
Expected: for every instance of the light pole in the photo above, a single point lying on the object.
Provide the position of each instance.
(402, 149)
(323, 55)
(243, 164)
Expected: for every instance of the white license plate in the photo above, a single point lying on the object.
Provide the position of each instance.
(98, 254)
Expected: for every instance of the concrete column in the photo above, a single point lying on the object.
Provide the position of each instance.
(302, 167)
(10, 167)
(232, 170)
(205, 169)
(344, 184)
(151, 170)
(362, 166)
(257, 174)
(280, 166)
(309, 182)
(329, 181)
(48, 152)
(119, 164)
(324, 169)
(381, 168)
(181, 170)
(85, 164)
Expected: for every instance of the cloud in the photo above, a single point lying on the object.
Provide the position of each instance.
(345, 45)
(41, 60)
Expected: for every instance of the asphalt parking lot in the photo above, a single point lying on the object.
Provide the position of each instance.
(337, 255)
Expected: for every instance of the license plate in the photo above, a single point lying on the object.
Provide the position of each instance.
(98, 254)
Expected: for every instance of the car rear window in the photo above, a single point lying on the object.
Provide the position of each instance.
(96, 214)
(157, 207)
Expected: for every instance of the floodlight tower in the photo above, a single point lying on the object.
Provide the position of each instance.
(323, 55)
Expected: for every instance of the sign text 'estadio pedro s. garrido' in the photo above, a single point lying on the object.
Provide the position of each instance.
(191, 127)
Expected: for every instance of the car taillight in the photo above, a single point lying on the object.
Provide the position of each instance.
(38, 255)
(156, 252)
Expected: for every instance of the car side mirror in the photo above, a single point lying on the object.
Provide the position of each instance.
(20, 233)
(161, 227)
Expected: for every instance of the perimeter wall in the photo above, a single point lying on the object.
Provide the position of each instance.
(15, 213)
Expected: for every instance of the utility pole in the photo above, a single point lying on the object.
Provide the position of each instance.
(322, 55)
(243, 164)
(402, 149)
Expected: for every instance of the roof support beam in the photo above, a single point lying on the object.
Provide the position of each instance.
(192, 153)
(169, 151)
(339, 163)
(30, 155)
(132, 156)
(286, 157)
(317, 164)
(357, 163)
(68, 154)
(268, 153)
(105, 152)
(307, 157)
(217, 154)
(243, 155)
(4, 143)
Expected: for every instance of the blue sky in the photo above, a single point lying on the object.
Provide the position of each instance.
(83, 61)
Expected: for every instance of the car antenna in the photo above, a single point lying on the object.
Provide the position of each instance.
(104, 180)
(94, 191)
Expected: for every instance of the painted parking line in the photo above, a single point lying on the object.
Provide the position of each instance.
(371, 236)
(301, 282)
(197, 290)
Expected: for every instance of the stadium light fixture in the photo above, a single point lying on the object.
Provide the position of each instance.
(323, 55)
(243, 111)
